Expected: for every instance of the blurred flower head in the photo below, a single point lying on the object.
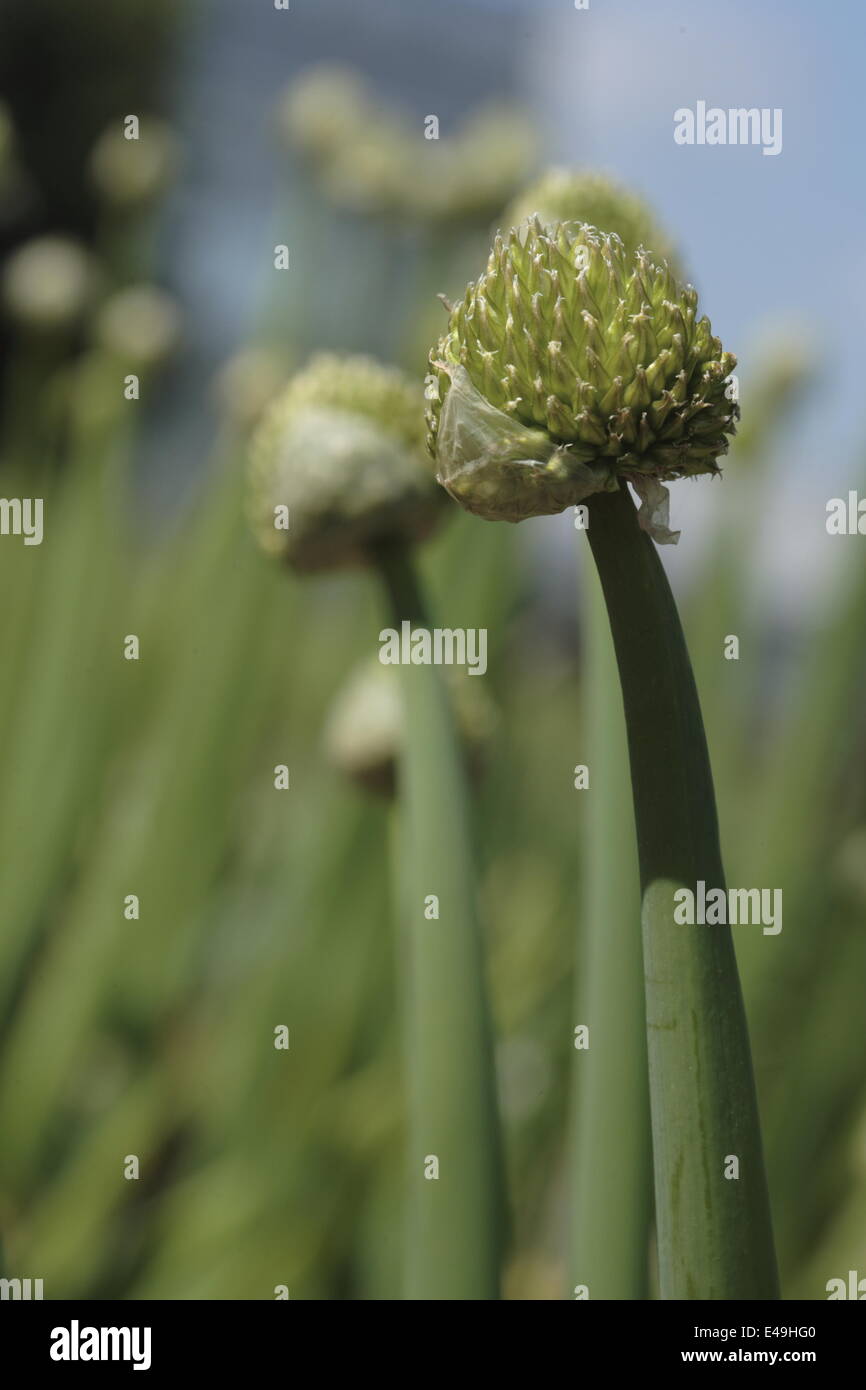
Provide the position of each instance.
(337, 465)
(247, 383)
(378, 162)
(140, 324)
(364, 732)
(321, 111)
(133, 173)
(48, 283)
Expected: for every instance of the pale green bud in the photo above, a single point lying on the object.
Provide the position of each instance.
(337, 465)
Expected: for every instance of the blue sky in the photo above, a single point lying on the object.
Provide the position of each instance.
(773, 243)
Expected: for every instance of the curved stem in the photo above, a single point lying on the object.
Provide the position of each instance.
(455, 1216)
(714, 1232)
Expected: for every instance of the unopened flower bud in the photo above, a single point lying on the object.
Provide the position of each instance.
(337, 465)
(571, 366)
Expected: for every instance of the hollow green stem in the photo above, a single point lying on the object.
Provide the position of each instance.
(455, 1212)
(611, 1168)
(714, 1233)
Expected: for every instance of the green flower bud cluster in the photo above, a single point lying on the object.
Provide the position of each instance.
(342, 450)
(563, 195)
(572, 364)
(368, 160)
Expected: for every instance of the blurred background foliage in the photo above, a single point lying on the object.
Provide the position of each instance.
(154, 777)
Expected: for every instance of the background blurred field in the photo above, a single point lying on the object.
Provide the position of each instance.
(258, 908)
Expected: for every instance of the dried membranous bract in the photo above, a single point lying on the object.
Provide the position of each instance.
(572, 365)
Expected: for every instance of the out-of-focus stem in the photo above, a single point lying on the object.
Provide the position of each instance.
(455, 1215)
